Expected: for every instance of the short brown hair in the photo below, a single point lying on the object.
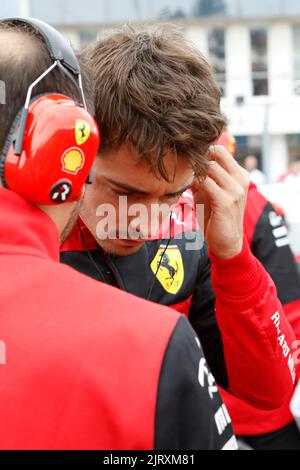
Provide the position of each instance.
(155, 91)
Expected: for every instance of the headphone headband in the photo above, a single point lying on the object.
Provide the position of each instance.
(58, 47)
(51, 125)
(61, 54)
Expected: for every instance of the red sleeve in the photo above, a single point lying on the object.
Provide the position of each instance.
(256, 335)
(292, 312)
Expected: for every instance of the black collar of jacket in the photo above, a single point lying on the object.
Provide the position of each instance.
(137, 280)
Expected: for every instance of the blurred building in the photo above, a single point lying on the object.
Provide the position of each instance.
(253, 46)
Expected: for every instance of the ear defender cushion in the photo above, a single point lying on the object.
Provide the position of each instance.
(61, 141)
(8, 142)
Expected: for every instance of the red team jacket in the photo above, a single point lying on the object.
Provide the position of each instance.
(232, 304)
(268, 238)
(88, 367)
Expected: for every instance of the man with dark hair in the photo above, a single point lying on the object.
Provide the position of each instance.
(159, 111)
(267, 235)
(82, 370)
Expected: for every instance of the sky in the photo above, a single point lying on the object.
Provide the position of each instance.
(84, 11)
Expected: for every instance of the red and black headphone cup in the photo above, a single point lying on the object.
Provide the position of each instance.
(11, 136)
(61, 140)
(8, 142)
(51, 164)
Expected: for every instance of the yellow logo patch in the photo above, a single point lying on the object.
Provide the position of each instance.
(168, 268)
(82, 131)
(72, 161)
(231, 145)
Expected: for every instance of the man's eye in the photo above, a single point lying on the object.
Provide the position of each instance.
(175, 196)
(120, 193)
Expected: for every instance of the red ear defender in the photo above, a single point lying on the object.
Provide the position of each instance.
(61, 141)
(228, 141)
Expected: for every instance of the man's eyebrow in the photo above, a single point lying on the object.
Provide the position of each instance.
(127, 187)
(133, 189)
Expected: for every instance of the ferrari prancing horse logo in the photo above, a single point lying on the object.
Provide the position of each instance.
(171, 271)
(82, 131)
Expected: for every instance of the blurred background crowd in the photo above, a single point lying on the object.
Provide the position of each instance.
(254, 48)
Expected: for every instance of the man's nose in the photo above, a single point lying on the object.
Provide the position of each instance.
(150, 219)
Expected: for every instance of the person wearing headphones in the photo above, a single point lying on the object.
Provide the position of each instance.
(158, 106)
(267, 236)
(87, 366)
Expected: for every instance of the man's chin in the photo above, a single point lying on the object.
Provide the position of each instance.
(71, 222)
(121, 247)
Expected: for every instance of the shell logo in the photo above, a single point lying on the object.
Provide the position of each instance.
(73, 161)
